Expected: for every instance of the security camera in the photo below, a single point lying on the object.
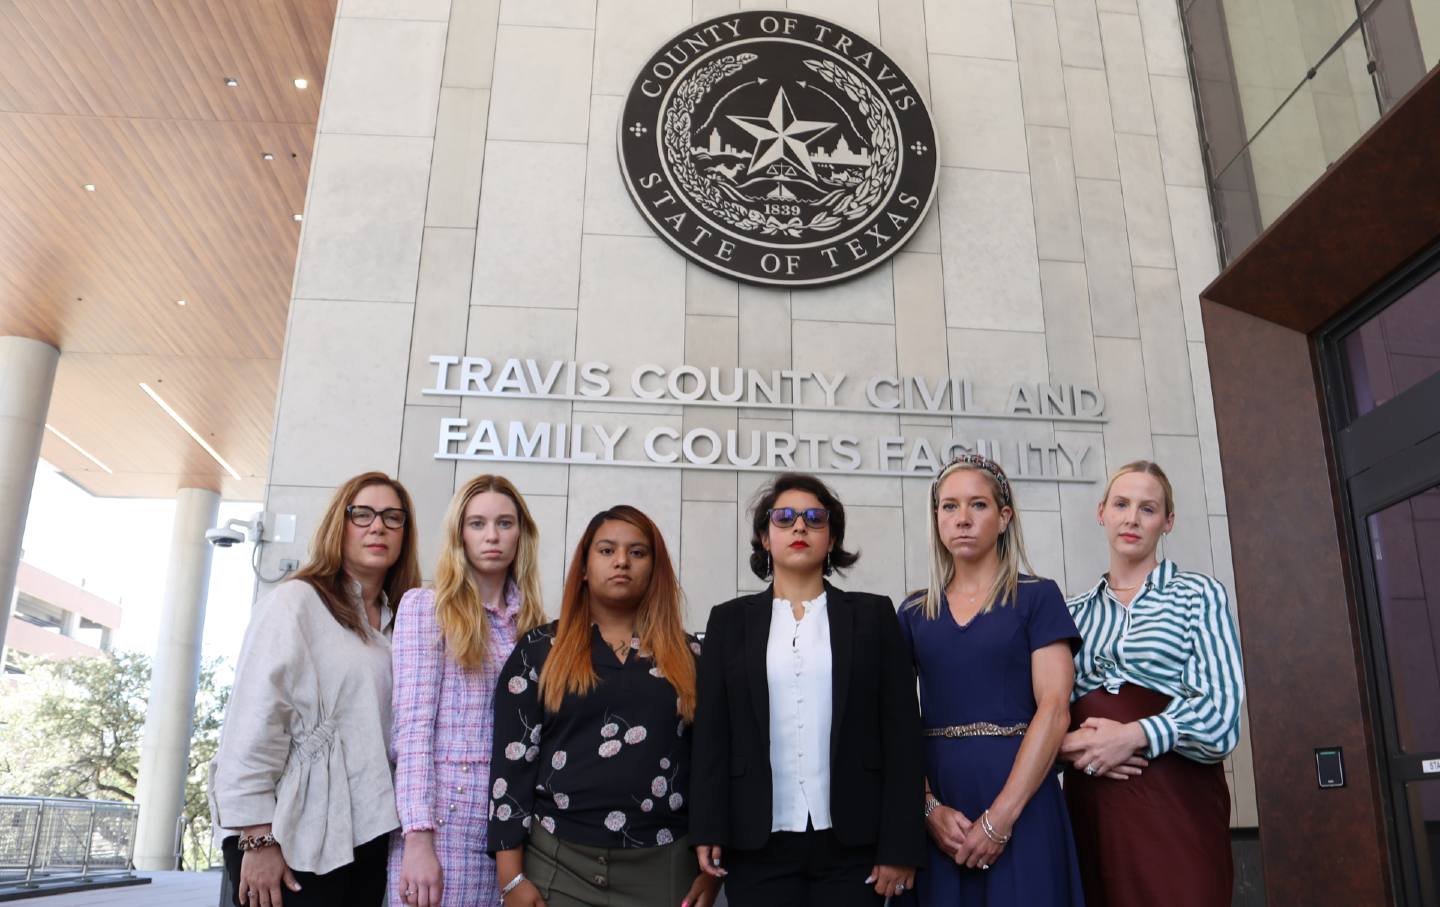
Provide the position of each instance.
(261, 527)
(234, 532)
(224, 536)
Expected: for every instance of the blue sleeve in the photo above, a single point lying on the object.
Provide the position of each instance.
(1047, 620)
(907, 613)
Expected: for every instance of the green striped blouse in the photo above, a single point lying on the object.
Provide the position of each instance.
(1178, 638)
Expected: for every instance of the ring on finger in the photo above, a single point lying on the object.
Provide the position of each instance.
(1091, 768)
(984, 865)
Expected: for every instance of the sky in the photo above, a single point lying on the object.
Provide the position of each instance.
(118, 549)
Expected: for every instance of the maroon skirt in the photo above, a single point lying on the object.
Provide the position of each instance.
(1161, 838)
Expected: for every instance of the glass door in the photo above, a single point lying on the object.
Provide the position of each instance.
(1402, 579)
(1381, 373)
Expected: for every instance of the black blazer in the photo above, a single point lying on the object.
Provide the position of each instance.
(877, 786)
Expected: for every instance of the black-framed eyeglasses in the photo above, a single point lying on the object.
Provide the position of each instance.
(362, 516)
(785, 517)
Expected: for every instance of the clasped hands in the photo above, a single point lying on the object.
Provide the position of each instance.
(1106, 749)
(964, 838)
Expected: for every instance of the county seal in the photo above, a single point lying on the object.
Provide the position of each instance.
(778, 148)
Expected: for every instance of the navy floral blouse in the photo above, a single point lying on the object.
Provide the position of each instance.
(609, 769)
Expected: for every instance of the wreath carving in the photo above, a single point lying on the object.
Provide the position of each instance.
(836, 208)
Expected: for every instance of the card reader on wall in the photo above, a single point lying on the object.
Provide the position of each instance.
(1330, 766)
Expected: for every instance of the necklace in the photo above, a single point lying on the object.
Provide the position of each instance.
(1114, 588)
(971, 596)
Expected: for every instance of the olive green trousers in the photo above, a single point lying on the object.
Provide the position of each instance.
(573, 875)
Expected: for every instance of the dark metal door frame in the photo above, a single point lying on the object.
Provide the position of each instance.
(1383, 457)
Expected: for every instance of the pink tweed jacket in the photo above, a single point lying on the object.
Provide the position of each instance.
(443, 713)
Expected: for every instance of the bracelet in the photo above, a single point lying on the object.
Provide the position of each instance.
(930, 804)
(513, 884)
(990, 831)
(250, 842)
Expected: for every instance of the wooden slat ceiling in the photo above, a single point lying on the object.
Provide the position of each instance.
(130, 96)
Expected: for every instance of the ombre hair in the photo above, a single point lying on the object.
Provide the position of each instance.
(1149, 468)
(324, 570)
(568, 668)
(458, 608)
(1010, 546)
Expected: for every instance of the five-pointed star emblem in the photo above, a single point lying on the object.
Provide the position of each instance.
(787, 136)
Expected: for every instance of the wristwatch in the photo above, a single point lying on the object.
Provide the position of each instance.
(930, 804)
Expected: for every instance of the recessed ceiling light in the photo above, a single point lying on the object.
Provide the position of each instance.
(169, 411)
(179, 302)
(231, 83)
(89, 187)
(302, 83)
(297, 218)
(266, 156)
(83, 452)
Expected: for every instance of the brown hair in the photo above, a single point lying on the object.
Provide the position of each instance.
(458, 608)
(324, 570)
(1150, 468)
(568, 668)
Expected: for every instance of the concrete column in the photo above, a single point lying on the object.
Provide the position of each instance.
(27, 375)
(169, 721)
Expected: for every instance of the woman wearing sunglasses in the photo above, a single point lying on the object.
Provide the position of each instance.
(302, 775)
(807, 780)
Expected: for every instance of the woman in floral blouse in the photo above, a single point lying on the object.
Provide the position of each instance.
(591, 759)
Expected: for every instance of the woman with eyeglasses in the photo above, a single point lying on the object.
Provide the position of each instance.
(450, 643)
(302, 774)
(1158, 695)
(807, 781)
(992, 647)
(589, 806)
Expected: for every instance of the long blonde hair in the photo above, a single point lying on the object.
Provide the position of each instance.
(568, 669)
(324, 569)
(458, 608)
(1010, 546)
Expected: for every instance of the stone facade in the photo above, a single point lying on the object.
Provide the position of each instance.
(465, 199)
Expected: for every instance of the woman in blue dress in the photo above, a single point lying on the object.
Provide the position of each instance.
(993, 648)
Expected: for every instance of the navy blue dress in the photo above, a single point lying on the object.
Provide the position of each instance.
(981, 672)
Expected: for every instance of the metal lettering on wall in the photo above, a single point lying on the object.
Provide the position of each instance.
(785, 390)
(778, 149)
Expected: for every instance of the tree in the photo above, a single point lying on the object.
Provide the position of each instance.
(73, 728)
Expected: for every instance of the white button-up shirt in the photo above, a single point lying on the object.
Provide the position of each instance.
(797, 665)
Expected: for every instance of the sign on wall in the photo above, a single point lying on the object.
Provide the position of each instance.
(784, 390)
(778, 148)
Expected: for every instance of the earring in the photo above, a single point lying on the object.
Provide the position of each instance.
(829, 568)
(769, 564)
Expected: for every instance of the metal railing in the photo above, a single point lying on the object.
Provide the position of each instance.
(50, 840)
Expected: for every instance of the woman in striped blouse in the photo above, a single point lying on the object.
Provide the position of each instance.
(1158, 689)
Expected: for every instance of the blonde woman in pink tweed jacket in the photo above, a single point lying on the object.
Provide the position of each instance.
(449, 646)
